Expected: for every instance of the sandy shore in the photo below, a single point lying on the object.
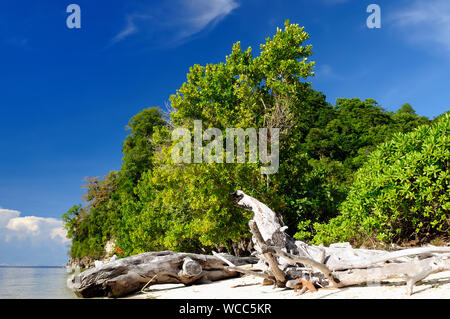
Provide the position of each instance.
(436, 286)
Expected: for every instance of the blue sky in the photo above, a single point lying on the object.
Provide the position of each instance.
(66, 94)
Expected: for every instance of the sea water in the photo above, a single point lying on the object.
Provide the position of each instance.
(34, 283)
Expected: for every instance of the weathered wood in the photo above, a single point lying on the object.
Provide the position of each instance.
(253, 273)
(273, 264)
(233, 267)
(390, 256)
(303, 260)
(412, 271)
(127, 275)
(268, 222)
(267, 230)
(228, 262)
(190, 268)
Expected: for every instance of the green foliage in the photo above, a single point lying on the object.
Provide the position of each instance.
(153, 203)
(338, 144)
(406, 109)
(401, 193)
(187, 207)
(91, 226)
(139, 146)
(407, 120)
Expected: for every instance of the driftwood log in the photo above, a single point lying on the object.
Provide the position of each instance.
(339, 265)
(131, 274)
(280, 259)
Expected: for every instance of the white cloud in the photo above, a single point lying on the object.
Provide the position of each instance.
(424, 22)
(37, 229)
(24, 225)
(31, 240)
(6, 215)
(178, 20)
(61, 233)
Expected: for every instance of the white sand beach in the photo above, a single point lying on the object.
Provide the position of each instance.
(436, 286)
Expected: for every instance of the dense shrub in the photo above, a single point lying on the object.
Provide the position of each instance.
(401, 193)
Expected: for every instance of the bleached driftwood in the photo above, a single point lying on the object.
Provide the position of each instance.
(127, 275)
(395, 255)
(412, 271)
(338, 265)
(268, 223)
(243, 270)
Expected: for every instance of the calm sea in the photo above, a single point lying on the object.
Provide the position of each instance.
(34, 283)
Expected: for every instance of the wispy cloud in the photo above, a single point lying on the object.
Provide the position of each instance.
(201, 13)
(130, 27)
(178, 20)
(326, 71)
(424, 22)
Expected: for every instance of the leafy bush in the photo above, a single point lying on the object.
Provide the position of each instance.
(401, 193)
